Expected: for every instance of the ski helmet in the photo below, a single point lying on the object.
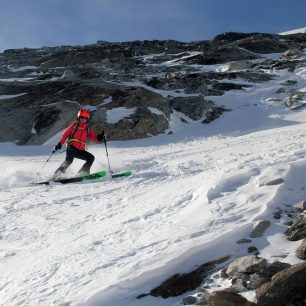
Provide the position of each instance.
(83, 113)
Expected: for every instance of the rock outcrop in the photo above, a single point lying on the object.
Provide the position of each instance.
(42, 89)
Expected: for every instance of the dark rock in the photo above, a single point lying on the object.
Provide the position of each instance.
(239, 65)
(299, 207)
(226, 298)
(213, 114)
(263, 45)
(245, 277)
(239, 285)
(233, 36)
(65, 78)
(298, 229)
(301, 251)
(181, 283)
(274, 268)
(244, 241)
(247, 264)
(293, 97)
(292, 54)
(193, 107)
(252, 249)
(287, 287)
(256, 281)
(223, 273)
(277, 181)
(189, 300)
(222, 55)
(260, 229)
(277, 215)
(290, 65)
(229, 86)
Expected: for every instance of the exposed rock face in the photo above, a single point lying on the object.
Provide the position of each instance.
(223, 55)
(287, 287)
(49, 85)
(193, 107)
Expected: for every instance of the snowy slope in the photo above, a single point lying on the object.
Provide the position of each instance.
(192, 195)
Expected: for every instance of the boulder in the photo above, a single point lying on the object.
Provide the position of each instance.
(287, 287)
(297, 230)
(299, 207)
(256, 280)
(227, 298)
(247, 264)
(301, 251)
(260, 229)
(239, 65)
(293, 97)
(292, 54)
(194, 107)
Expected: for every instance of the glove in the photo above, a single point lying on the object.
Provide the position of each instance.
(101, 136)
(57, 147)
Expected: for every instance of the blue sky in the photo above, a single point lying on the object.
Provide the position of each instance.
(36, 23)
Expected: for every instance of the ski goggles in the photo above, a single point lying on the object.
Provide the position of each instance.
(83, 118)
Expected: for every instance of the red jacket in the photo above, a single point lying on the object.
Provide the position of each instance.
(80, 137)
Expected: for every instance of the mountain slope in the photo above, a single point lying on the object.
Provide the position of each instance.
(192, 195)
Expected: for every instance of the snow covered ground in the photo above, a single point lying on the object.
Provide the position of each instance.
(300, 30)
(192, 195)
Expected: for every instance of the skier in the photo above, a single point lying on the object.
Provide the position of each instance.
(77, 135)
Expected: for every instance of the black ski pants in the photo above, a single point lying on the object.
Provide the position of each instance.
(73, 153)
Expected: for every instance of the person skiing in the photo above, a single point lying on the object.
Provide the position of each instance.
(77, 135)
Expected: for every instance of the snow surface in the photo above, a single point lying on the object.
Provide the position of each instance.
(300, 30)
(192, 195)
(116, 114)
(4, 97)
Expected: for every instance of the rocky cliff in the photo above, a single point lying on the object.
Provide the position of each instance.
(42, 89)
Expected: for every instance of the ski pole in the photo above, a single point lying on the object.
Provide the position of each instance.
(109, 168)
(48, 159)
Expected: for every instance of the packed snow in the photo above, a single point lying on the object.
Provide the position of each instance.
(192, 195)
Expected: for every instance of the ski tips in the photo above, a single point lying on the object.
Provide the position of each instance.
(127, 173)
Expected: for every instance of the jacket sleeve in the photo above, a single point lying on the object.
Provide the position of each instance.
(66, 134)
(93, 136)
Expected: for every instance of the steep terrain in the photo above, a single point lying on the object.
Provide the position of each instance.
(217, 181)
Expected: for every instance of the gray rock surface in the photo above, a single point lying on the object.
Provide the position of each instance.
(287, 287)
(53, 83)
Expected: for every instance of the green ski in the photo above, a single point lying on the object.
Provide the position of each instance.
(128, 173)
(92, 176)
